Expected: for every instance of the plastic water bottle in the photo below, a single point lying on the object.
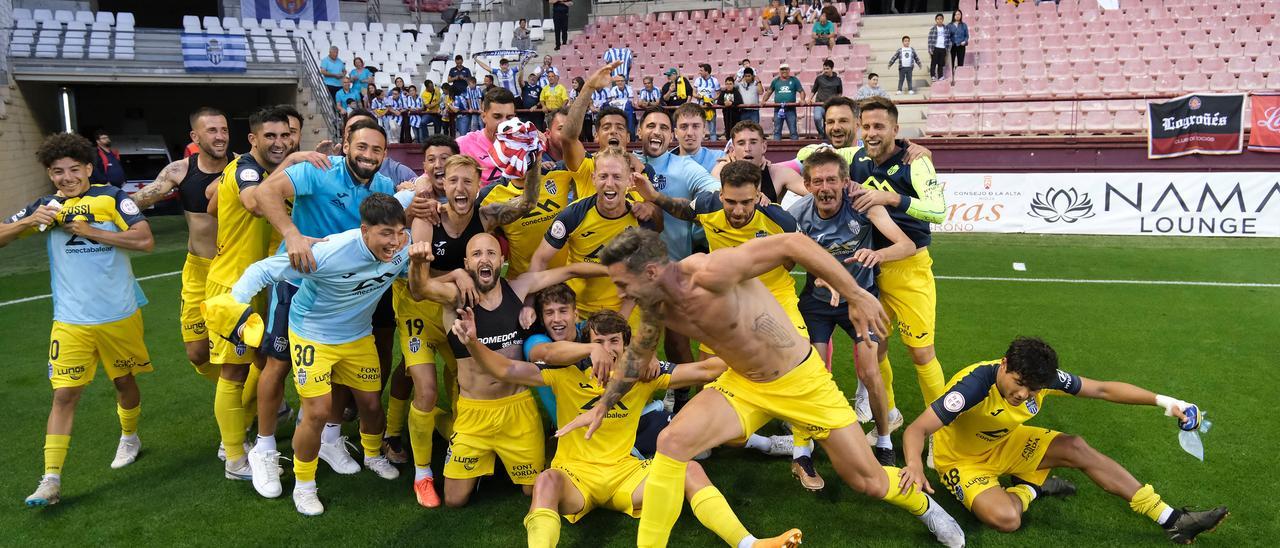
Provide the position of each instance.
(1189, 432)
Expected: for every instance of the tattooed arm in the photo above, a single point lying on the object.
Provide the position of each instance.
(626, 371)
(679, 208)
(504, 213)
(165, 182)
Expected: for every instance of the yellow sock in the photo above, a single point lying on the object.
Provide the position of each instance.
(444, 423)
(1148, 503)
(713, 511)
(305, 470)
(207, 370)
(543, 525)
(421, 425)
(931, 380)
(1024, 493)
(915, 502)
(396, 414)
(55, 452)
(663, 500)
(128, 419)
(886, 373)
(230, 416)
(249, 395)
(372, 444)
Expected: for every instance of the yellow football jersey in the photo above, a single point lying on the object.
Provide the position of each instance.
(525, 234)
(576, 392)
(582, 231)
(976, 417)
(767, 221)
(243, 239)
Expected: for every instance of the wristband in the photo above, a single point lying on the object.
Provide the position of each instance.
(1167, 403)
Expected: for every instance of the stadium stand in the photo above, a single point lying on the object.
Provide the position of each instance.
(72, 34)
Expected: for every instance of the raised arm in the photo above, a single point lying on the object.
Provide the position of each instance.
(679, 208)
(1123, 392)
(501, 367)
(421, 285)
(928, 205)
(572, 148)
(534, 281)
(168, 179)
(503, 213)
(902, 246)
(271, 197)
(483, 65)
(697, 373)
(790, 179)
(261, 274)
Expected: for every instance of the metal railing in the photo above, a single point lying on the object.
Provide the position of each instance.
(309, 77)
(373, 11)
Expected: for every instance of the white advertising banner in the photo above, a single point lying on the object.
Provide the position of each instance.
(1159, 204)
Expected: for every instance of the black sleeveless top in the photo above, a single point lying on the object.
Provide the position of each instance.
(191, 190)
(496, 329)
(767, 188)
(450, 251)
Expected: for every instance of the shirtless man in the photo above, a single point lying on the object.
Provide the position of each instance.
(773, 371)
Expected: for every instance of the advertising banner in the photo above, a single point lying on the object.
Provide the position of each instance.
(1196, 124)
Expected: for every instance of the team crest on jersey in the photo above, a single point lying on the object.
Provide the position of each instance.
(280, 344)
(415, 344)
(557, 229)
(954, 402)
(659, 181)
(855, 226)
(240, 349)
(302, 376)
(892, 170)
(550, 185)
(129, 207)
(249, 175)
(1033, 407)
(762, 234)
(50, 370)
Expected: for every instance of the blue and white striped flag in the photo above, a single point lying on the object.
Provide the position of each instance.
(310, 10)
(214, 52)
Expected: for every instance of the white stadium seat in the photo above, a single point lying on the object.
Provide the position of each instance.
(124, 21)
(211, 23)
(248, 23)
(190, 23)
(20, 14)
(105, 17)
(64, 16)
(84, 16)
(42, 15)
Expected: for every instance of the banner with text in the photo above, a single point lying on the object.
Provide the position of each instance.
(1196, 124)
(1264, 132)
(307, 10)
(1161, 204)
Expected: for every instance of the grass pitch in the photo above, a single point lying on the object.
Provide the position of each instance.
(1212, 345)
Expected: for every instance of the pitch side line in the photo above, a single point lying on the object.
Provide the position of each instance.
(961, 278)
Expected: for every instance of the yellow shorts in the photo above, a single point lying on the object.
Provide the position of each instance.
(807, 397)
(602, 486)
(1018, 455)
(221, 351)
(508, 427)
(792, 309)
(75, 350)
(194, 276)
(908, 294)
(421, 326)
(317, 366)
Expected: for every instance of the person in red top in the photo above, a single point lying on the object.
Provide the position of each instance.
(192, 148)
(106, 162)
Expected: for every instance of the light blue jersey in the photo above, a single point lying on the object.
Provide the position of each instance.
(679, 177)
(706, 158)
(328, 201)
(92, 282)
(335, 303)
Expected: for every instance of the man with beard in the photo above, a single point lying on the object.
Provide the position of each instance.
(191, 176)
(585, 226)
(691, 127)
(460, 220)
(493, 417)
(749, 144)
(602, 471)
(391, 168)
(325, 201)
(329, 326)
(773, 371)
(841, 125)
(497, 106)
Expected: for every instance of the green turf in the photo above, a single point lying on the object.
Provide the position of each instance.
(1209, 345)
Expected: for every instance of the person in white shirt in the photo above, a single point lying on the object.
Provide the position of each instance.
(751, 90)
(707, 88)
(505, 75)
(907, 59)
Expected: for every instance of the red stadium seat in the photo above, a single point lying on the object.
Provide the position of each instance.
(1183, 66)
(1141, 84)
(1098, 122)
(961, 89)
(1013, 88)
(964, 124)
(988, 89)
(1062, 86)
(1222, 81)
(1229, 50)
(1089, 85)
(1115, 85)
(1109, 68)
(1042, 122)
(1195, 82)
(1239, 65)
(1037, 87)
(1251, 81)
(937, 124)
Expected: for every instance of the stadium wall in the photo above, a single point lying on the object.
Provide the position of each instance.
(20, 135)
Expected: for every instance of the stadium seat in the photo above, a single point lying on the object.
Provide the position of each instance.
(84, 16)
(64, 16)
(1098, 122)
(1251, 81)
(190, 23)
(124, 21)
(22, 14)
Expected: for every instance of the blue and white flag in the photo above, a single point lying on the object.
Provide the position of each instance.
(309, 10)
(214, 52)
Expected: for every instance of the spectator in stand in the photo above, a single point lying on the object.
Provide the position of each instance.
(730, 99)
(545, 69)
(505, 75)
(749, 90)
(360, 76)
(677, 90)
(648, 96)
(448, 112)
(786, 90)
(621, 55)
(620, 97)
(743, 65)
(399, 85)
(431, 111)
(959, 31)
(107, 169)
(466, 106)
(805, 13)
(708, 89)
(824, 33)
(415, 131)
(939, 43)
(772, 16)
(825, 86)
(552, 97)
(380, 105)
(560, 17)
(347, 92)
(907, 60)
(520, 36)
(333, 69)
(833, 14)
(458, 76)
(488, 84)
(587, 135)
(530, 98)
(871, 88)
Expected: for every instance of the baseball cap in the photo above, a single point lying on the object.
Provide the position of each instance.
(672, 72)
(784, 66)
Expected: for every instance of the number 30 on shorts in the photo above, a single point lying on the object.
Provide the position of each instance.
(304, 355)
